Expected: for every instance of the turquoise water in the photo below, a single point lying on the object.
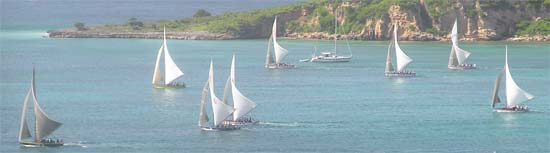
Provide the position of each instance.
(100, 90)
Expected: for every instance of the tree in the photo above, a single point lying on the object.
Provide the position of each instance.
(80, 26)
(135, 24)
(201, 13)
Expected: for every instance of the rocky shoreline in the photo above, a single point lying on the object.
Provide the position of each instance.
(201, 35)
(69, 33)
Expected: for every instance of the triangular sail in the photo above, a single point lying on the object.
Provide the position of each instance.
(220, 109)
(44, 125)
(24, 128)
(203, 117)
(280, 52)
(269, 58)
(226, 90)
(452, 58)
(514, 94)
(454, 34)
(157, 75)
(389, 66)
(242, 104)
(495, 98)
(402, 59)
(461, 55)
(172, 71)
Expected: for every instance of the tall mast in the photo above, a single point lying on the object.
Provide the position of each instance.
(335, 26)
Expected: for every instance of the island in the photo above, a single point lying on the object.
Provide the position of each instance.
(418, 20)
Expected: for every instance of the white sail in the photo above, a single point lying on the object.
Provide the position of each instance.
(226, 90)
(242, 104)
(171, 72)
(461, 54)
(268, 58)
(220, 109)
(157, 75)
(389, 66)
(203, 117)
(496, 98)
(454, 34)
(401, 58)
(24, 128)
(514, 94)
(44, 125)
(280, 52)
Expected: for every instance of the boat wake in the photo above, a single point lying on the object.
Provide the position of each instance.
(279, 124)
(76, 144)
(30, 146)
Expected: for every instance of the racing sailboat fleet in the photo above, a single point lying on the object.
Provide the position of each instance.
(227, 117)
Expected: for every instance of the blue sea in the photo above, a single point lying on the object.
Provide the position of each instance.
(100, 89)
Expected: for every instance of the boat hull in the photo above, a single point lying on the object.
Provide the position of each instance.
(162, 86)
(280, 66)
(240, 123)
(510, 110)
(331, 60)
(221, 128)
(462, 67)
(400, 74)
(42, 144)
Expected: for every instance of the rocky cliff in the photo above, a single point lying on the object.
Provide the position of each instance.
(432, 20)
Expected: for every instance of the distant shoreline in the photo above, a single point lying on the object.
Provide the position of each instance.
(203, 35)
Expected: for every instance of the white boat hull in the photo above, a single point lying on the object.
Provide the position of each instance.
(331, 60)
(400, 74)
(462, 67)
(280, 66)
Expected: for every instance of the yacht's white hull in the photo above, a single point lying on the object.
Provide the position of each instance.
(331, 59)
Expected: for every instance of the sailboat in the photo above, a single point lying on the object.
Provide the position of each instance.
(241, 104)
(458, 56)
(514, 94)
(402, 60)
(168, 77)
(274, 60)
(332, 56)
(44, 126)
(220, 109)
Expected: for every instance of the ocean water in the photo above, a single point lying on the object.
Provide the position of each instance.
(100, 90)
